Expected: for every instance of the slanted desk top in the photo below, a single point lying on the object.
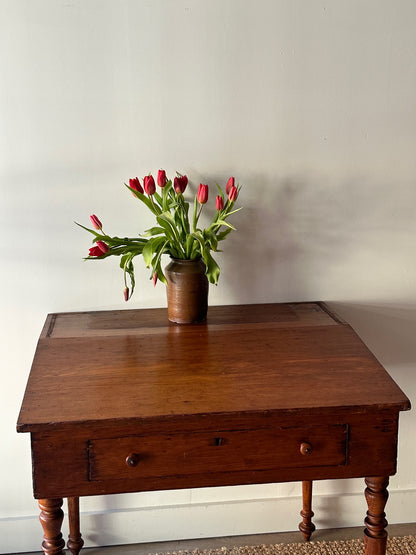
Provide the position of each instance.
(125, 401)
(134, 364)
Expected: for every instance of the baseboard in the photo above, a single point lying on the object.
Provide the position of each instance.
(204, 520)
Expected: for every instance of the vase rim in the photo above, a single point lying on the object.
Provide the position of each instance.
(186, 260)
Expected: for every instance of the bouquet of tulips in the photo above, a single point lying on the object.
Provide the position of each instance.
(175, 234)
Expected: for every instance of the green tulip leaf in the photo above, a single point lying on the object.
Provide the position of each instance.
(144, 199)
(150, 248)
(97, 235)
(213, 270)
(211, 239)
(153, 231)
(220, 191)
(165, 196)
(234, 211)
(223, 234)
(148, 253)
(156, 265)
(223, 222)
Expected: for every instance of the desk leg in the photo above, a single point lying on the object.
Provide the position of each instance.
(75, 541)
(306, 526)
(51, 517)
(375, 535)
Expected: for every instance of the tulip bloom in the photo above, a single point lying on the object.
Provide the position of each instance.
(104, 248)
(202, 195)
(149, 185)
(219, 203)
(126, 293)
(230, 183)
(134, 183)
(155, 279)
(233, 193)
(95, 251)
(161, 178)
(96, 222)
(180, 183)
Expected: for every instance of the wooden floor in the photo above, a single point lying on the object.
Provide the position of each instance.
(213, 543)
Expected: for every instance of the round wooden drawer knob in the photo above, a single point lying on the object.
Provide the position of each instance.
(305, 448)
(132, 460)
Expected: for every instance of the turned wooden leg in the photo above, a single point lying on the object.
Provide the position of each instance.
(306, 526)
(51, 517)
(75, 541)
(375, 535)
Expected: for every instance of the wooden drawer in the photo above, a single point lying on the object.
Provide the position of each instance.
(210, 452)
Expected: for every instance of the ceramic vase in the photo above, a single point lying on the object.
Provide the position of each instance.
(187, 291)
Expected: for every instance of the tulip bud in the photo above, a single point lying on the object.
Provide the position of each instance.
(95, 251)
(126, 293)
(161, 178)
(149, 185)
(96, 222)
(202, 195)
(104, 248)
(219, 203)
(134, 183)
(230, 183)
(154, 279)
(233, 194)
(180, 183)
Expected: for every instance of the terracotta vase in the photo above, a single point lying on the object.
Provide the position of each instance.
(187, 291)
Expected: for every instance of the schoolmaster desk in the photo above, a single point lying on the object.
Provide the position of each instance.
(125, 401)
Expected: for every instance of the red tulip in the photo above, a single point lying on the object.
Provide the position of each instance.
(180, 183)
(233, 193)
(219, 203)
(161, 178)
(149, 185)
(155, 278)
(230, 183)
(96, 222)
(95, 251)
(126, 293)
(134, 183)
(202, 195)
(104, 248)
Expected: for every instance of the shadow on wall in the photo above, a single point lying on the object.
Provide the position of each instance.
(303, 237)
(284, 233)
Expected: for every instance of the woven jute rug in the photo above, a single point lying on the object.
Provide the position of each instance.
(405, 545)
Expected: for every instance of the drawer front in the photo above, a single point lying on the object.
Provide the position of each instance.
(210, 452)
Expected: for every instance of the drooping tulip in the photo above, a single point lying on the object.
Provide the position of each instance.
(126, 293)
(202, 195)
(161, 178)
(149, 185)
(219, 202)
(134, 183)
(154, 279)
(104, 248)
(230, 183)
(95, 251)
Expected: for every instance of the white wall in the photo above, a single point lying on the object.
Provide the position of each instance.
(310, 104)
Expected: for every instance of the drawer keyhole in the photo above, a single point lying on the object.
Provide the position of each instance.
(132, 460)
(219, 441)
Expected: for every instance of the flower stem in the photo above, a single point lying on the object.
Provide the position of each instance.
(199, 213)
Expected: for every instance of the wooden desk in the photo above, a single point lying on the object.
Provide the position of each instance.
(125, 401)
